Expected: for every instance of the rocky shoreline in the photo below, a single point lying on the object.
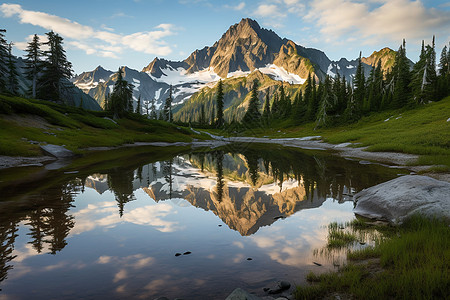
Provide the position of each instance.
(391, 159)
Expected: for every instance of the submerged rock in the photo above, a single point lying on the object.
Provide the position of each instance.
(397, 199)
(240, 294)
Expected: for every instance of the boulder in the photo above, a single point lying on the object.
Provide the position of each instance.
(397, 199)
(57, 151)
(240, 294)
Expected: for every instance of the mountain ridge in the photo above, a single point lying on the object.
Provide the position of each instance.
(244, 48)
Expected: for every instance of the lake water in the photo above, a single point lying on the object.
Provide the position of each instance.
(109, 225)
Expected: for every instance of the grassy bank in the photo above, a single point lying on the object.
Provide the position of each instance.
(23, 121)
(411, 262)
(423, 131)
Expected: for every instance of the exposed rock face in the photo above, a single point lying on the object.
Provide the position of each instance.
(154, 68)
(400, 198)
(386, 55)
(245, 46)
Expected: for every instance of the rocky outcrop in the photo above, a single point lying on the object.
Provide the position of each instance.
(400, 198)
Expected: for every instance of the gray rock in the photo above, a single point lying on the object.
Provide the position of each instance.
(397, 199)
(280, 287)
(240, 294)
(57, 151)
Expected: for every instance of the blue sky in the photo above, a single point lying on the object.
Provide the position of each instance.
(133, 32)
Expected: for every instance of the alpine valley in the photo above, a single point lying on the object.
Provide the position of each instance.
(244, 53)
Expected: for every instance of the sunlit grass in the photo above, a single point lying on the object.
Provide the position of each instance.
(78, 129)
(412, 263)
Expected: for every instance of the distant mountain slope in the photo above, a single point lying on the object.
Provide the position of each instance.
(243, 49)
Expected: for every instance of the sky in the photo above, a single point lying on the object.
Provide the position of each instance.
(134, 32)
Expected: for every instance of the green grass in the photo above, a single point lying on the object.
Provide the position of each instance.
(413, 262)
(76, 128)
(423, 131)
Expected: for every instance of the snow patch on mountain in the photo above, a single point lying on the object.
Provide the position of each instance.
(329, 70)
(279, 73)
(180, 76)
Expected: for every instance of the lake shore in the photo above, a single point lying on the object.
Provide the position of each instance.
(346, 150)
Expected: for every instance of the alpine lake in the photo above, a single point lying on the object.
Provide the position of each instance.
(175, 222)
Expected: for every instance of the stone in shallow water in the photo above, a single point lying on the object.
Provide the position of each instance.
(240, 294)
(57, 151)
(397, 199)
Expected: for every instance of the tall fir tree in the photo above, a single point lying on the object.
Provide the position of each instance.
(153, 115)
(443, 88)
(327, 101)
(359, 88)
(121, 96)
(33, 63)
(168, 107)
(138, 106)
(275, 110)
(299, 110)
(401, 78)
(266, 109)
(12, 80)
(252, 116)
(3, 60)
(56, 70)
(219, 99)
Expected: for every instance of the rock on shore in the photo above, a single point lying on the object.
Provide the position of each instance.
(397, 199)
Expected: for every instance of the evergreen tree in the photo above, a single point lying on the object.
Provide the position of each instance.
(56, 69)
(81, 102)
(266, 110)
(13, 81)
(299, 110)
(285, 103)
(308, 96)
(311, 96)
(153, 115)
(220, 120)
(401, 78)
(430, 87)
(33, 63)
(443, 88)
(138, 106)
(327, 101)
(252, 116)
(3, 59)
(275, 110)
(168, 107)
(444, 62)
(121, 96)
(202, 115)
(358, 89)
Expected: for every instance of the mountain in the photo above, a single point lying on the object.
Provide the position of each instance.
(244, 50)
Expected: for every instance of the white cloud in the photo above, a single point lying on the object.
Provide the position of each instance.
(103, 43)
(267, 10)
(387, 19)
(238, 7)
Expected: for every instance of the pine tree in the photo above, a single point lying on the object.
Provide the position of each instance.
(81, 102)
(266, 110)
(285, 103)
(168, 107)
(220, 121)
(202, 120)
(401, 79)
(443, 88)
(153, 115)
(299, 110)
(326, 103)
(430, 88)
(121, 95)
(13, 81)
(56, 69)
(308, 95)
(33, 63)
(252, 116)
(275, 110)
(3, 60)
(138, 106)
(359, 89)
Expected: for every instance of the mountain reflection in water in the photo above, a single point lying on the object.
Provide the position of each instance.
(246, 190)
